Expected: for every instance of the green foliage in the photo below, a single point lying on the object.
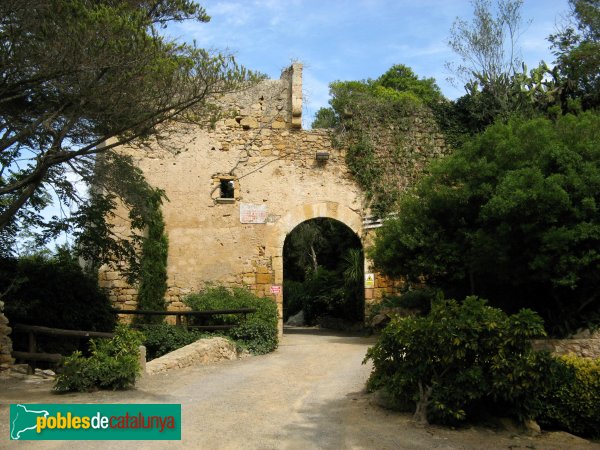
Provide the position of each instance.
(325, 118)
(371, 119)
(402, 79)
(417, 299)
(294, 298)
(512, 216)
(53, 292)
(160, 339)
(113, 364)
(153, 266)
(257, 333)
(258, 337)
(117, 181)
(571, 401)
(457, 358)
(353, 267)
(322, 296)
(577, 50)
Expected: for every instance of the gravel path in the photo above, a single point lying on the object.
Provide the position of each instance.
(309, 394)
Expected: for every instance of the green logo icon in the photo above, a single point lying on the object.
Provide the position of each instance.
(95, 422)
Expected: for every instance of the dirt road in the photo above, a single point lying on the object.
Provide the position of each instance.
(309, 394)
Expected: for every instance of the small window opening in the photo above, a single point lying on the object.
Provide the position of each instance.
(227, 190)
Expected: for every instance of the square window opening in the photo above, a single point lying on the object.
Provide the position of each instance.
(227, 189)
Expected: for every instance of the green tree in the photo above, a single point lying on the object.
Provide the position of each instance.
(153, 265)
(398, 83)
(490, 63)
(512, 216)
(80, 77)
(577, 50)
(370, 118)
(488, 45)
(402, 78)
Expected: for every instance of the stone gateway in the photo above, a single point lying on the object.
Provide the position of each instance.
(238, 187)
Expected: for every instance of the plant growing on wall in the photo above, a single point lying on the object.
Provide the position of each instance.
(153, 266)
(373, 119)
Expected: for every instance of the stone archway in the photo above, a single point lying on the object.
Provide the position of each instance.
(294, 217)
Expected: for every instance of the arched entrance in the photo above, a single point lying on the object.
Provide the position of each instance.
(286, 224)
(323, 271)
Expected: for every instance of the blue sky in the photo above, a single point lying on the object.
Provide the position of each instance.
(353, 40)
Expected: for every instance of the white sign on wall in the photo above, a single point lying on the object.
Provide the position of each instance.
(250, 213)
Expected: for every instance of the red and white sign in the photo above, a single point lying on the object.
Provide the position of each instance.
(253, 213)
(275, 289)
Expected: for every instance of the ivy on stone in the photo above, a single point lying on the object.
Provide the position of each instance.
(375, 121)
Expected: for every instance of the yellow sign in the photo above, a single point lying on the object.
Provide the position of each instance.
(369, 280)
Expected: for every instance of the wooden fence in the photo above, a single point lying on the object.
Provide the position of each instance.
(33, 356)
(201, 315)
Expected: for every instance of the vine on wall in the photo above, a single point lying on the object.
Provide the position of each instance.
(389, 141)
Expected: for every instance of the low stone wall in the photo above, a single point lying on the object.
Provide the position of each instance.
(586, 347)
(6, 359)
(203, 351)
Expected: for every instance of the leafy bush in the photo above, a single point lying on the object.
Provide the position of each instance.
(418, 299)
(571, 400)
(323, 293)
(113, 364)
(457, 358)
(164, 338)
(258, 332)
(511, 216)
(54, 292)
(256, 336)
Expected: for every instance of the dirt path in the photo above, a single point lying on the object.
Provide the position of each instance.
(309, 394)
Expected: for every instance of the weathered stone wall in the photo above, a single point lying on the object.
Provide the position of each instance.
(6, 359)
(258, 146)
(586, 347)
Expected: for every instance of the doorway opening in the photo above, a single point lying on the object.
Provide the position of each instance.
(323, 271)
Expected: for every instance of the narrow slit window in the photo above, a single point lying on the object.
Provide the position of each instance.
(227, 189)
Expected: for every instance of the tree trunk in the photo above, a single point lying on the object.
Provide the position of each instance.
(313, 256)
(422, 405)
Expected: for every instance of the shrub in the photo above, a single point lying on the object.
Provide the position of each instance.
(256, 336)
(54, 292)
(113, 364)
(323, 293)
(572, 398)
(259, 331)
(418, 299)
(164, 338)
(458, 357)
